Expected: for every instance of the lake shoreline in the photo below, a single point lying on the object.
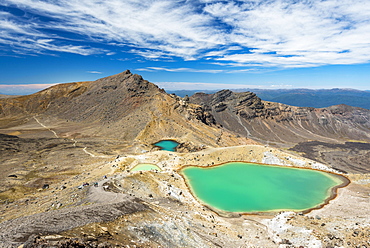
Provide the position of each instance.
(332, 195)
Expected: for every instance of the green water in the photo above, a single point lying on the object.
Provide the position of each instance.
(246, 187)
(145, 167)
(167, 145)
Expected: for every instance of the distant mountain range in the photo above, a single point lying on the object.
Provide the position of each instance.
(7, 96)
(321, 98)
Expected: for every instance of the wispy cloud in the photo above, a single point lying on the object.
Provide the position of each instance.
(152, 68)
(22, 89)
(94, 72)
(276, 33)
(26, 86)
(26, 38)
(179, 70)
(215, 86)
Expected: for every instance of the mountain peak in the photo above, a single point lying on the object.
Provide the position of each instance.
(126, 72)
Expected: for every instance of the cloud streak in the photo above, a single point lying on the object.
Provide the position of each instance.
(94, 72)
(179, 70)
(215, 86)
(22, 89)
(277, 33)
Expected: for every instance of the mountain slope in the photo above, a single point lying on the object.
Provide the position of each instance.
(123, 106)
(248, 115)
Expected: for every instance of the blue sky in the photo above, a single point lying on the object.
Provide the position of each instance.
(190, 44)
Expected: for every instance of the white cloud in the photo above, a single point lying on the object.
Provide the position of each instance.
(179, 70)
(215, 86)
(28, 86)
(170, 26)
(200, 86)
(95, 72)
(22, 89)
(151, 69)
(276, 33)
(302, 34)
(24, 38)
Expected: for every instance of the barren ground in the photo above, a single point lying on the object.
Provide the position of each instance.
(155, 209)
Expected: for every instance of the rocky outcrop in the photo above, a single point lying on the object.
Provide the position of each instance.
(317, 133)
(248, 115)
(189, 147)
(198, 113)
(23, 229)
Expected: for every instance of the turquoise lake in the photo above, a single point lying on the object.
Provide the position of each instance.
(167, 145)
(145, 167)
(247, 187)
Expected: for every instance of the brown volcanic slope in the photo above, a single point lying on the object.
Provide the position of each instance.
(123, 106)
(285, 126)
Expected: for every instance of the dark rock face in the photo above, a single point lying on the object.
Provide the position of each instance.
(248, 115)
(318, 133)
(201, 115)
(246, 104)
(188, 147)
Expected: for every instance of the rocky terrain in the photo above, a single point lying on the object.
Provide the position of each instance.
(283, 126)
(348, 157)
(123, 106)
(66, 154)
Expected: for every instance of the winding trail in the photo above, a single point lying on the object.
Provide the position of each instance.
(74, 141)
(93, 155)
(55, 134)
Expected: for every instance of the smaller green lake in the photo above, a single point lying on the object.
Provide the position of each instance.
(167, 145)
(246, 187)
(145, 167)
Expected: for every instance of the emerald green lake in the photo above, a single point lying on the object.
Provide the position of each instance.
(167, 145)
(246, 187)
(145, 167)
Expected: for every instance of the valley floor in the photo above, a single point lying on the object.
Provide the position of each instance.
(156, 209)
